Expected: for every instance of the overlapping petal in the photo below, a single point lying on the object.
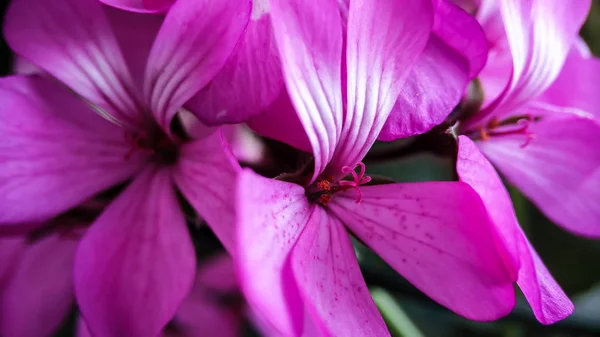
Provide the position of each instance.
(193, 44)
(439, 237)
(136, 264)
(558, 169)
(250, 80)
(384, 40)
(38, 296)
(548, 301)
(540, 34)
(330, 280)
(205, 174)
(56, 152)
(309, 39)
(434, 87)
(143, 6)
(73, 41)
(271, 215)
(576, 86)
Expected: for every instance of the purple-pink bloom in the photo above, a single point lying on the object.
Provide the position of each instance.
(540, 140)
(294, 255)
(136, 263)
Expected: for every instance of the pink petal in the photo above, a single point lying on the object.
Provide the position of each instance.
(330, 280)
(559, 169)
(250, 80)
(56, 152)
(462, 32)
(39, 295)
(280, 122)
(73, 41)
(11, 248)
(540, 34)
(136, 263)
(434, 87)
(143, 6)
(271, 214)
(309, 38)
(438, 236)
(135, 34)
(193, 44)
(548, 301)
(385, 39)
(576, 85)
(201, 314)
(205, 174)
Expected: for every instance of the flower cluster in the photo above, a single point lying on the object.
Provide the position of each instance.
(129, 124)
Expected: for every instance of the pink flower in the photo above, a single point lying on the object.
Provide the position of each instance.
(136, 264)
(294, 255)
(534, 131)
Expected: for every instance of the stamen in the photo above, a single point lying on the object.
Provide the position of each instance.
(522, 122)
(359, 179)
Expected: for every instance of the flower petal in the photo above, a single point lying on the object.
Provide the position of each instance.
(462, 32)
(385, 39)
(438, 236)
(330, 280)
(548, 301)
(205, 174)
(576, 85)
(39, 295)
(434, 87)
(201, 314)
(271, 214)
(136, 263)
(192, 45)
(135, 34)
(559, 169)
(309, 39)
(280, 122)
(143, 6)
(56, 152)
(73, 41)
(540, 34)
(11, 248)
(250, 80)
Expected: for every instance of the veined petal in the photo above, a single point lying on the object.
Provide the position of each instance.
(55, 151)
(309, 39)
(250, 80)
(548, 301)
(462, 32)
(271, 215)
(206, 174)
(73, 41)
(540, 34)
(280, 122)
(439, 237)
(434, 87)
(192, 45)
(332, 286)
(576, 85)
(136, 263)
(143, 6)
(39, 295)
(385, 39)
(559, 169)
(135, 34)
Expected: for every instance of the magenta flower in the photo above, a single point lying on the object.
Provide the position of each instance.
(541, 141)
(136, 263)
(295, 258)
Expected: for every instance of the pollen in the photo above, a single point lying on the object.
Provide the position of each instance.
(324, 185)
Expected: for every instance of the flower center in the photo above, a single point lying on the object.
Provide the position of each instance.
(157, 145)
(324, 188)
(517, 125)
